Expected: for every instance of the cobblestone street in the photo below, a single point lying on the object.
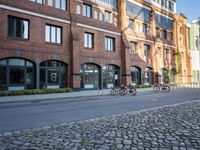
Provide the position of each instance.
(171, 127)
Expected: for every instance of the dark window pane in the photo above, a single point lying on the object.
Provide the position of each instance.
(29, 78)
(3, 76)
(16, 75)
(53, 63)
(42, 77)
(63, 77)
(3, 62)
(18, 27)
(53, 76)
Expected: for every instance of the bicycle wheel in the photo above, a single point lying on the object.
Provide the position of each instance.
(113, 92)
(167, 88)
(156, 88)
(122, 92)
(133, 92)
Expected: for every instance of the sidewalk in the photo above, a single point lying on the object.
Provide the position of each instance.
(40, 97)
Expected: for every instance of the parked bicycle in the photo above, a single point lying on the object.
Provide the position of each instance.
(162, 87)
(123, 90)
(115, 91)
(129, 89)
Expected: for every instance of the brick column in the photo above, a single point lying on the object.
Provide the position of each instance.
(75, 55)
(125, 56)
(155, 63)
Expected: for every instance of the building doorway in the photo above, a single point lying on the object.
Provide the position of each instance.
(90, 76)
(136, 75)
(53, 74)
(111, 76)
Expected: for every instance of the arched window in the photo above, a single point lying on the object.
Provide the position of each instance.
(16, 74)
(136, 75)
(78, 9)
(53, 74)
(90, 78)
(110, 76)
(96, 15)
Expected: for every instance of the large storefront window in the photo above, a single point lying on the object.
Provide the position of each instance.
(53, 74)
(148, 76)
(90, 78)
(16, 74)
(110, 76)
(136, 75)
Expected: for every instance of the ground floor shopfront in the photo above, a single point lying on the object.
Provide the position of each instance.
(20, 73)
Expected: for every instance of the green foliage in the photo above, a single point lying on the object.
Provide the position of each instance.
(166, 76)
(174, 71)
(142, 86)
(35, 91)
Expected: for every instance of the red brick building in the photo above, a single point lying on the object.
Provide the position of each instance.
(85, 44)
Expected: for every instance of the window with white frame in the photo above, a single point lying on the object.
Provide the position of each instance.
(109, 43)
(107, 16)
(38, 1)
(88, 40)
(61, 4)
(53, 34)
(87, 10)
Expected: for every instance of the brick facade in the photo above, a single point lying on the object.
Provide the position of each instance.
(72, 51)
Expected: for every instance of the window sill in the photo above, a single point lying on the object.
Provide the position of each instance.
(110, 51)
(90, 49)
(54, 44)
(19, 39)
(64, 10)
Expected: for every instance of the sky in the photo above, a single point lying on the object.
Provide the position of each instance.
(190, 8)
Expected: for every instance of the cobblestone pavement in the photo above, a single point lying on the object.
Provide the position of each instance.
(174, 127)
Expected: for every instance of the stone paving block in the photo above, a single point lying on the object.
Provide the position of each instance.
(156, 129)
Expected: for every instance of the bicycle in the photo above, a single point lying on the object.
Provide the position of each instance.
(129, 89)
(114, 91)
(163, 87)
